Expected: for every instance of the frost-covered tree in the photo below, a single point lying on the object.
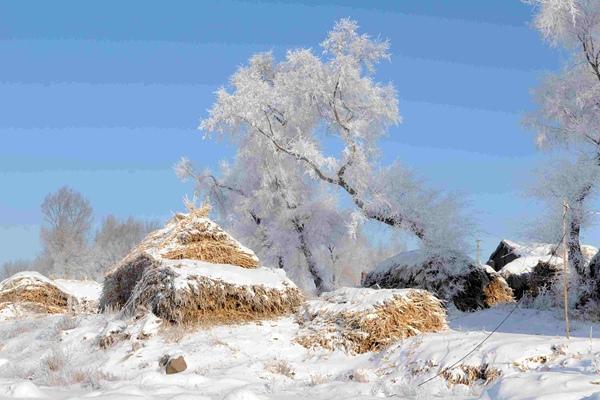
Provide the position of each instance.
(286, 217)
(565, 181)
(68, 218)
(289, 109)
(68, 248)
(568, 114)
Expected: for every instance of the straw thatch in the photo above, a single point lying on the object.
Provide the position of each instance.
(362, 320)
(32, 292)
(182, 293)
(193, 272)
(498, 291)
(191, 236)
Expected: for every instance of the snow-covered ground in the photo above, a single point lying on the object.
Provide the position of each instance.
(59, 357)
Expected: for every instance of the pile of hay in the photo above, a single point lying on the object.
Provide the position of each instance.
(497, 291)
(31, 291)
(192, 271)
(362, 320)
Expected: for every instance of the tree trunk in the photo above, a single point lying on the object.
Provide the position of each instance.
(574, 245)
(573, 238)
(320, 283)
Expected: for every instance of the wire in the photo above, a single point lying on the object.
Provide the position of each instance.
(492, 332)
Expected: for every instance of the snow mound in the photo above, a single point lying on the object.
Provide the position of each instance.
(242, 394)
(23, 390)
(363, 320)
(84, 290)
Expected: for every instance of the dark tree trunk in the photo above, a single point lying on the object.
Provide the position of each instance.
(320, 283)
(574, 245)
(573, 238)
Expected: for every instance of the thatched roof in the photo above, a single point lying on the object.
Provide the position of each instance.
(192, 271)
(358, 320)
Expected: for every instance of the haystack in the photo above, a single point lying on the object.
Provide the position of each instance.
(192, 271)
(497, 291)
(362, 320)
(31, 291)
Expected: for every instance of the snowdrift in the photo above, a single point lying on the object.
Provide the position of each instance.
(192, 271)
(454, 278)
(362, 320)
(32, 292)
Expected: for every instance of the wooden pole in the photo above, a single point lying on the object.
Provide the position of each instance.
(566, 269)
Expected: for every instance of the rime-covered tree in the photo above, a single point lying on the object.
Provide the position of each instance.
(68, 248)
(68, 218)
(288, 109)
(286, 217)
(568, 113)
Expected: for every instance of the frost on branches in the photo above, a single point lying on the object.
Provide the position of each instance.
(568, 116)
(282, 116)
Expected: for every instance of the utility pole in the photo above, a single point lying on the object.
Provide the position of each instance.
(478, 251)
(566, 268)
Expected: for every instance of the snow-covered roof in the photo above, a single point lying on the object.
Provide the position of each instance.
(524, 265)
(532, 249)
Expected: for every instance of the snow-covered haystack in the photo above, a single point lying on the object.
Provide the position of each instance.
(358, 320)
(188, 291)
(192, 271)
(497, 291)
(191, 236)
(30, 291)
(454, 277)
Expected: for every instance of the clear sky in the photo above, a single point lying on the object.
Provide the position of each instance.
(106, 96)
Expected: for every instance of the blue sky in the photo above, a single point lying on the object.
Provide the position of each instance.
(106, 96)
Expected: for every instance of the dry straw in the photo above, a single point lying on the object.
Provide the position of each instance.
(37, 296)
(209, 301)
(464, 374)
(376, 327)
(498, 292)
